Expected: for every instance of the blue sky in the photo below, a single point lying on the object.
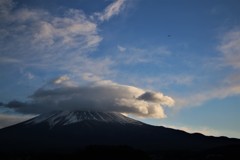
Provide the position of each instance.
(187, 50)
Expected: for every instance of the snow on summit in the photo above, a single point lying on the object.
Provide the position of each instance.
(60, 118)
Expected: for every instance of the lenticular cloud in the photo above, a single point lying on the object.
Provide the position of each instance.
(99, 95)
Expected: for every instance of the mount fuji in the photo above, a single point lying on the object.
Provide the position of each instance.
(70, 131)
(64, 118)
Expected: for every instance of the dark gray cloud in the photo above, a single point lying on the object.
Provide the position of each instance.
(155, 97)
(99, 95)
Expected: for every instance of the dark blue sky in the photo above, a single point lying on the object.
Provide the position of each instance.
(186, 49)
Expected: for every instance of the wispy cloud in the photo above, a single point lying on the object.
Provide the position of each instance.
(41, 28)
(121, 48)
(135, 55)
(111, 10)
(38, 39)
(36, 43)
(9, 60)
(29, 75)
(167, 80)
(221, 78)
(74, 29)
(207, 82)
(230, 48)
(199, 98)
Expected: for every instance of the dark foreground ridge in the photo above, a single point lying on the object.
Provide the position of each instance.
(106, 135)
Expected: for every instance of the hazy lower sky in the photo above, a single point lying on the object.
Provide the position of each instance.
(166, 62)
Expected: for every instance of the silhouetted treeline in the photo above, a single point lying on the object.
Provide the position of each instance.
(129, 153)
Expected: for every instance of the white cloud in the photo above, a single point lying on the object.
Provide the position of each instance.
(9, 60)
(121, 49)
(5, 6)
(73, 29)
(225, 67)
(29, 75)
(38, 39)
(111, 10)
(230, 48)
(134, 55)
(61, 79)
(219, 92)
(99, 95)
(90, 77)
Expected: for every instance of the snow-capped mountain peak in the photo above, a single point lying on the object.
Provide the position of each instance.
(60, 118)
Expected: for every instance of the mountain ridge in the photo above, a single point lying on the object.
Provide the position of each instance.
(69, 131)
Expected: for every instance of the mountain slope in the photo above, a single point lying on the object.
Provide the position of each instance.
(69, 131)
(64, 118)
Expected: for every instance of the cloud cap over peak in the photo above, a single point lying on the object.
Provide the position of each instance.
(99, 95)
